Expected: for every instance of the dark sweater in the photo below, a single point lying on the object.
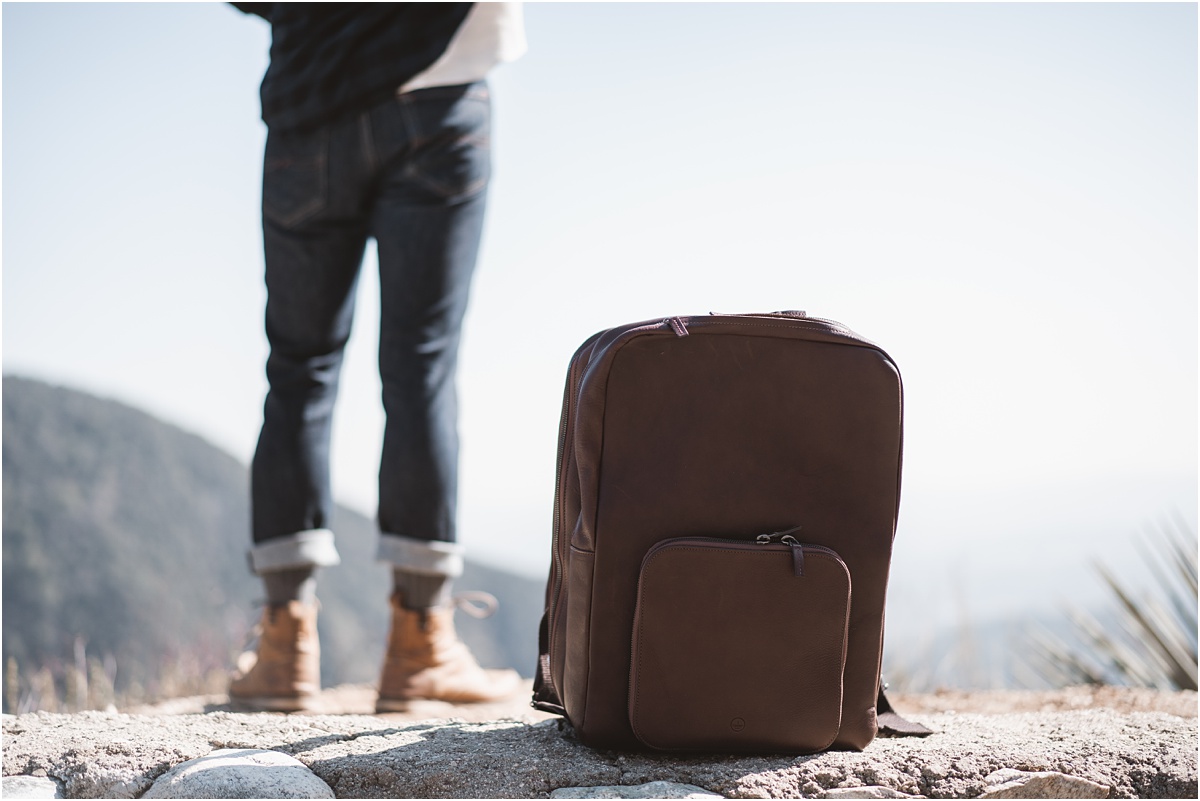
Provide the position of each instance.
(329, 60)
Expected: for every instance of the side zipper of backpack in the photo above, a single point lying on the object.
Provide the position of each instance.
(559, 544)
(550, 699)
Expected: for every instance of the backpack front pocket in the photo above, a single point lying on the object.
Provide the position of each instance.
(739, 646)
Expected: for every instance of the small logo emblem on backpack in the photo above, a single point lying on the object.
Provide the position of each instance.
(737, 724)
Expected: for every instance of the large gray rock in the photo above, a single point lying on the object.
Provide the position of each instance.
(648, 790)
(1139, 754)
(869, 791)
(240, 773)
(1009, 783)
(30, 787)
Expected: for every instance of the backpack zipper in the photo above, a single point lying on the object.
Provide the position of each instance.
(786, 538)
(796, 547)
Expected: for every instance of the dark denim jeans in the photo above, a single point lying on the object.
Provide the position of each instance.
(412, 173)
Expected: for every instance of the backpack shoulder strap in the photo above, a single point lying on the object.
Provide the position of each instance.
(892, 725)
(544, 696)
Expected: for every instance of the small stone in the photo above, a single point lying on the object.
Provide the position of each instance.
(649, 790)
(1010, 783)
(866, 791)
(240, 773)
(1006, 775)
(829, 777)
(30, 787)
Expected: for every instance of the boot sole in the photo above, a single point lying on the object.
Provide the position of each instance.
(266, 704)
(395, 705)
(405, 704)
(507, 678)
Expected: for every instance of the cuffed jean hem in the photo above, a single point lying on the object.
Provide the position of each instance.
(312, 548)
(432, 557)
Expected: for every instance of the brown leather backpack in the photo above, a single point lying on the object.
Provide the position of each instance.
(727, 495)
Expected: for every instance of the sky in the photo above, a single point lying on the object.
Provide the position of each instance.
(1002, 195)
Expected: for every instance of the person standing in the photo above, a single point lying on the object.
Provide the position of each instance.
(377, 121)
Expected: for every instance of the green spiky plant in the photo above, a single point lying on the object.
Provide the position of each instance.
(1146, 640)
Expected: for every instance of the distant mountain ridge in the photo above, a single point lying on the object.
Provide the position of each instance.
(128, 536)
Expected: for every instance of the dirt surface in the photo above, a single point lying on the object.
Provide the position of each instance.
(1083, 746)
(997, 702)
(359, 699)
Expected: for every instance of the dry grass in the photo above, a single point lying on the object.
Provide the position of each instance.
(90, 682)
(1149, 640)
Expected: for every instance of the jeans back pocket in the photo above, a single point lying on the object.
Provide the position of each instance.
(295, 177)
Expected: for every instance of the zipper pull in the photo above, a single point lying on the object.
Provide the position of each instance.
(786, 538)
(797, 554)
(677, 325)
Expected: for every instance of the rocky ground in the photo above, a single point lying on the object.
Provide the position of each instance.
(1075, 743)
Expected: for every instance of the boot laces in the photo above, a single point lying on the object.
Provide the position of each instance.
(475, 603)
(249, 651)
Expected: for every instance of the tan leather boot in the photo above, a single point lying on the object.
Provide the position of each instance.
(425, 659)
(285, 676)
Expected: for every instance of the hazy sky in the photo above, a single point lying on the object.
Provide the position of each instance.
(1003, 196)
